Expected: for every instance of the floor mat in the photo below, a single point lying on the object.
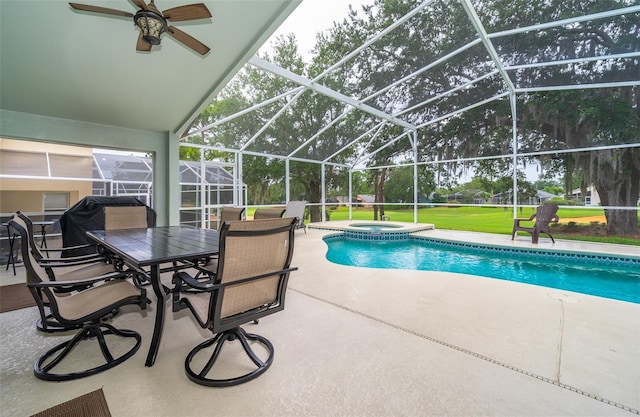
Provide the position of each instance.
(15, 297)
(92, 404)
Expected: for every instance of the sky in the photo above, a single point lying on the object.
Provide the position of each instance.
(311, 17)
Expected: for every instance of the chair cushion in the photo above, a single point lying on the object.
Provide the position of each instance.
(92, 270)
(84, 303)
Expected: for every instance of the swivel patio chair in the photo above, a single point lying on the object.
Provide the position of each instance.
(228, 214)
(44, 255)
(296, 209)
(125, 217)
(543, 217)
(250, 282)
(74, 269)
(86, 309)
(268, 213)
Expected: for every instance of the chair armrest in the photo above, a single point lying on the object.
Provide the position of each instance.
(75, 260)
(257, 277)
(88, 245)
(533, 216)
(192, 282)
(87, 281)
(209, 286)
(57, 263)
(516, 222)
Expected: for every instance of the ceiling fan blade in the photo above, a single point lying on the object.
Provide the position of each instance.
(187, 40)
(141, 4)
(187, 12)
(97, 9)
(141, 45)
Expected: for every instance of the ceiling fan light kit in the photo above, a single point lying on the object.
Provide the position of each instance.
(153, 23)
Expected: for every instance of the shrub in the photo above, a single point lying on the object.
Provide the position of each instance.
(560, 202)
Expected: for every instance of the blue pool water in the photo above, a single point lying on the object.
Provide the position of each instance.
(615, 280)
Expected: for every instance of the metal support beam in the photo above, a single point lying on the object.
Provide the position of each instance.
(287, 181)
(323, 185)
(415, 177)
(477, 24)
(321, 89)
(514, 145)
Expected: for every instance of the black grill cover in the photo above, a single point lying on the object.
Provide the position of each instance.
(88, 214)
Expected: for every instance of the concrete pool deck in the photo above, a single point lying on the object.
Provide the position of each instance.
(587, 343)
(370, 342)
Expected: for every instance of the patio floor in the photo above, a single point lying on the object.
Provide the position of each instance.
(369, 342)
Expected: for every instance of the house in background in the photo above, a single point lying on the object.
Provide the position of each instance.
(42, 177)
(365, 200)
(44, 180)
(591, 199)
(544, 196)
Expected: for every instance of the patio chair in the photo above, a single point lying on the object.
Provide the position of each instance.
(44, 255)
(57, 269)
(250, 282)
(296, 209)
(125, 217)
(228, 214)
(544, 215)
(268, 213)
(86, 309)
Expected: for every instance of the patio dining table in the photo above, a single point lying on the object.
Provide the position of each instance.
(145, 250)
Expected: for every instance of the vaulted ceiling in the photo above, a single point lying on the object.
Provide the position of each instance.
(60, 62)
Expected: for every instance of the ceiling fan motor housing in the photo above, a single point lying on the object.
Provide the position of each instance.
(151, 24)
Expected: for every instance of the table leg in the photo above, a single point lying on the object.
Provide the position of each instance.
(11, 259)
(43, 234)
(158, 289)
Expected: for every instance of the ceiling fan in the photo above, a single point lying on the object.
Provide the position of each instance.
(153, 23)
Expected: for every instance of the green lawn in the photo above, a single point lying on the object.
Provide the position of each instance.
(478, 219)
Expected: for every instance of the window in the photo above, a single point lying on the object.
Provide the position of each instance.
(55, 201)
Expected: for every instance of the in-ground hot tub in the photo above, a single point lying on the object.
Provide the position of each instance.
(376, 226)
(372, 227)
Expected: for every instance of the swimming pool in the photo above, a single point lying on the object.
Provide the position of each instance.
(611, 277)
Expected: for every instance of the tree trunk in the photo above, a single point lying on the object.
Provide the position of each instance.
(622, 222)
(379, 194)
(314, 196)
(569, 164)
(618, 184)
(375, 178)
